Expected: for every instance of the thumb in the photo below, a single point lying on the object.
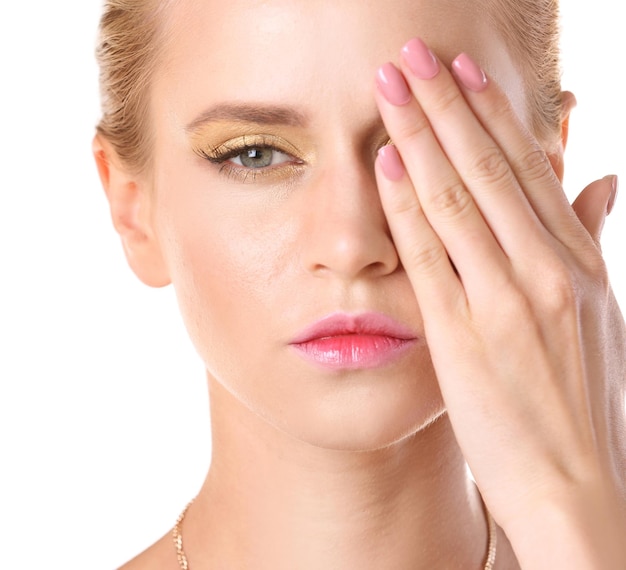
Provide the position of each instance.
(595, 203)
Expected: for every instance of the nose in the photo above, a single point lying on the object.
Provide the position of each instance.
(345, 232)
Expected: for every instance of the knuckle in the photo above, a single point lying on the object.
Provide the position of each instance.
(490, 166)
(536, 164)
(503, 113)
(405, 204)
(446, 101)
(520, 309)
(507, 304)
(410, 130)
(560, 291)
(452, 200)
(426, 258)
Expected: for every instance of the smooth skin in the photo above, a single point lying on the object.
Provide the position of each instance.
(314, 469)
(491, 245)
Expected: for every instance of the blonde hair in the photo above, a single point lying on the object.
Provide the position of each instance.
(133, 37)
(130, 45)
(531, 31)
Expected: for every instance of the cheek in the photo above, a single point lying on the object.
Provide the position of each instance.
(231, 266)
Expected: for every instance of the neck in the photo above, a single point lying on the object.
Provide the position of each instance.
(271, 501)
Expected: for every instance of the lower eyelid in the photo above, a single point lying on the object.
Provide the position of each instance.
(272, 174)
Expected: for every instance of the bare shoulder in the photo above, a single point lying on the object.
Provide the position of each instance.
(160, 556)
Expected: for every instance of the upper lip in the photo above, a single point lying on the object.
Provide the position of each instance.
(338, 324)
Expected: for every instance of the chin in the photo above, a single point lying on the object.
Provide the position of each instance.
(364, 415)
(350, 410)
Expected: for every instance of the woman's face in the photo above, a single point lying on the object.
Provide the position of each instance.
(263, 244)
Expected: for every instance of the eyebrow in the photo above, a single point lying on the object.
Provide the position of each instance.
(249, 113)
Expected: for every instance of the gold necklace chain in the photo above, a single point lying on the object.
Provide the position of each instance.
(184, 565)
(178, 538)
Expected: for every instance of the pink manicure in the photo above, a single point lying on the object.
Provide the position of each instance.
(470, 74)
(391, 163)
(392, 85)
(421, 61)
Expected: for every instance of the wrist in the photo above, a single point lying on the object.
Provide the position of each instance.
(583, 531)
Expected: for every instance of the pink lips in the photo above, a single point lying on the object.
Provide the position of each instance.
(350, 342)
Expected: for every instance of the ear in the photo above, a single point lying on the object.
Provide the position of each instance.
(595, 202)
(130, 204)
(568, 102)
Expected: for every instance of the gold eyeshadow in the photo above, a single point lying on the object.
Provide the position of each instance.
(220, 143)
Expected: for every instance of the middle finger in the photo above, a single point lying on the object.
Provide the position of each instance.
(468, 148)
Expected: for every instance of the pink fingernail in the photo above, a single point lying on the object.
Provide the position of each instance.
(613, 196)
(470, 74)
(392, 85)
(421, 61)
(391, 163)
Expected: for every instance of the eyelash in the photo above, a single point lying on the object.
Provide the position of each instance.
(221, 154)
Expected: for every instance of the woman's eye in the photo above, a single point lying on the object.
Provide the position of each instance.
(254, 159)
(260, 157)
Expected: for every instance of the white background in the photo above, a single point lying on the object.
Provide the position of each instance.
(103, 407)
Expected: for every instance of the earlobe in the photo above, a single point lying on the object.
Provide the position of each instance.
(130, 208)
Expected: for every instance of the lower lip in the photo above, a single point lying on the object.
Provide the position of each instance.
(353, 351)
